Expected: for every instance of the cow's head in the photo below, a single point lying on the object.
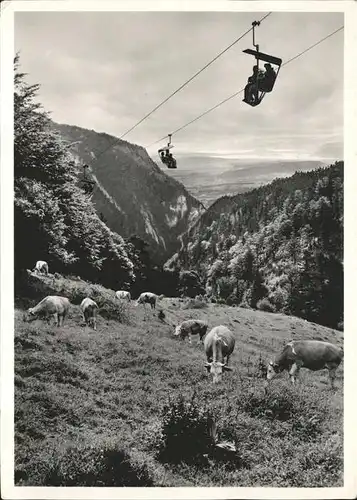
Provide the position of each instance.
(273, 369)
(216, 368)
(177, 331)
(29, 315)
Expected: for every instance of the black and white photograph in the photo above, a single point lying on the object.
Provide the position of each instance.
(173, 209)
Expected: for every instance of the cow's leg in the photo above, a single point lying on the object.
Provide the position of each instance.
(94, 323)
(294, 370)
(60, 319)
(56, 319)
(332, 375)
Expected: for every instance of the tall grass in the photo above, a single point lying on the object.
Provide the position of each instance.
(129, 405)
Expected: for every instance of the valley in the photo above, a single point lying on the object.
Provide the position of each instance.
(208, 178)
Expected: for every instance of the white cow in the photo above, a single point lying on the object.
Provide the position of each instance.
(89, 311)
(191, 327)
(147, 298)
(122, 294)
(41, 267)
(51, 305)
(218, 344)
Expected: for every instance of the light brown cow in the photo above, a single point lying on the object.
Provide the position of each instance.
(89, 311)
(191, 327)
(218, 344)
(51, 305)
(41, 267)
(312, 354)
(123, 294)
(147, 298)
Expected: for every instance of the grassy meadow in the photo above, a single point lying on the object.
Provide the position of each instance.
(128, 405)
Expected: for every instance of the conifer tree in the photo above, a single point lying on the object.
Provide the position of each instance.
(54, 221)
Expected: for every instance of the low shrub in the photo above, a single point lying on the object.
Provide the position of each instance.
(184, 434)
(265, 305)
(108, 309)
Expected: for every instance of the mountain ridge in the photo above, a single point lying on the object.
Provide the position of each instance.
(278, 247)
(132, 194)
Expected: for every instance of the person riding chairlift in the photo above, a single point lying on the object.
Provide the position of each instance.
(162, 156)
(251, 89)
(268, 80)
(171, 159)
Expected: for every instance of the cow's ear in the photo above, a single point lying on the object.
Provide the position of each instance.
(227, 368)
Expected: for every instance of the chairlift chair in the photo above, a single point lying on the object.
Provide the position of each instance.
(169, 161)
(261, 89)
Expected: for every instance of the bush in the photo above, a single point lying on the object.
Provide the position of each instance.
(265, 305)
(84, 466)
(195, 304)
(118, 311)
(185, 432)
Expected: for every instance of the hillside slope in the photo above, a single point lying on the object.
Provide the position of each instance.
(79, 392)
(282, 242)
(133, 194)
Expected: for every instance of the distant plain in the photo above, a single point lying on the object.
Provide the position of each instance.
(210, 177)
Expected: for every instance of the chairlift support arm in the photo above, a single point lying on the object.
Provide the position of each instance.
(254, 24)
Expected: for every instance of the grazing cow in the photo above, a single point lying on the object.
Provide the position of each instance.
(312, 354)
(122, 294)
(191, 327)
(218, 344)
(147, 298)
(51, 305)
(89, 311)
(41, 267)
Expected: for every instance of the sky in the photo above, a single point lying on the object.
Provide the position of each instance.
(106, 70)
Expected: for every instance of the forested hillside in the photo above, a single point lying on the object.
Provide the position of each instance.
(54, 220)
(132, 194)
(278, 247)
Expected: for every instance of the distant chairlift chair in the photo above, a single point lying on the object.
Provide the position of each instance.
(165, 155)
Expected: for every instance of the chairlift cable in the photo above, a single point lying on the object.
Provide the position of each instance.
(240, 91)
(181, 87)
(192, 77)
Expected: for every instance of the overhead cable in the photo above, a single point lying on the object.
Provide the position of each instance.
(240, 91)
(182, 86)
